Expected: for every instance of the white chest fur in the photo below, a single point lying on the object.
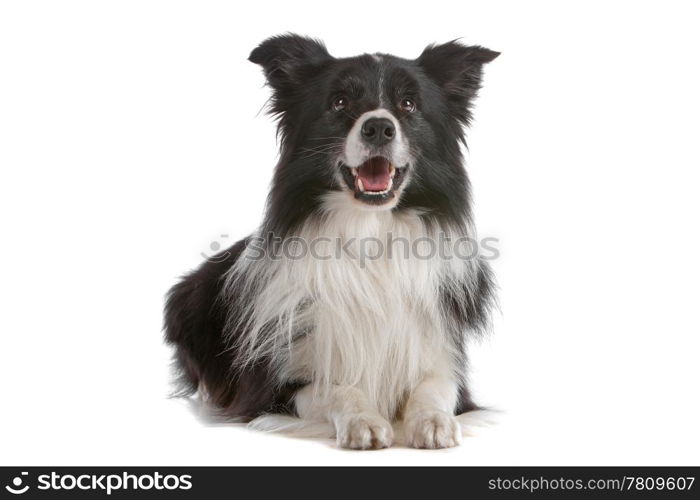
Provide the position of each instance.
(364, 289)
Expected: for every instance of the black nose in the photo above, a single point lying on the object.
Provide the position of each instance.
(378, 131)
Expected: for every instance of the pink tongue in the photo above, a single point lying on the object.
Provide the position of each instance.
(374, 174)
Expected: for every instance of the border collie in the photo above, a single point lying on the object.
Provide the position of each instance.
(333, 311)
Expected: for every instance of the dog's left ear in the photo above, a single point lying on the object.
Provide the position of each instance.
(288, 59)
(457, 69)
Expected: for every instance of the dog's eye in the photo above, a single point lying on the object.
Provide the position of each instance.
(407, 105)
(340, 103)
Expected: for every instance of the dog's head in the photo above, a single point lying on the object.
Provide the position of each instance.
(383, 130)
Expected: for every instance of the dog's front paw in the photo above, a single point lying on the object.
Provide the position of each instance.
(432, 429)
(364, 431)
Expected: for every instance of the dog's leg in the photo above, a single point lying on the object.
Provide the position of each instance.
(429, 420)
(357, 424)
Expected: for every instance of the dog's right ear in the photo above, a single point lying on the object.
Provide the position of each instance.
(288, 60)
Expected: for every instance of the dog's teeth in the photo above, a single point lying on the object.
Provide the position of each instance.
(392, 171)
(389, 186)
(354, 171)
(360, 186)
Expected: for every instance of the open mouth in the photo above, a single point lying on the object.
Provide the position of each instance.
(375, 181)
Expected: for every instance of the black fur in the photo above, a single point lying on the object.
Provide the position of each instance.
(305, 79)
(194, 324)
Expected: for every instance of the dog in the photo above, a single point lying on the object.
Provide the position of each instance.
(324, 330)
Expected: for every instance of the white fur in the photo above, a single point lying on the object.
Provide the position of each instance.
(376, 340)
(469, 423)
(356, 151)
(429, 416)
(357, 423)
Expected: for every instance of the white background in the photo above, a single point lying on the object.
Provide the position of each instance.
(131, 139)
